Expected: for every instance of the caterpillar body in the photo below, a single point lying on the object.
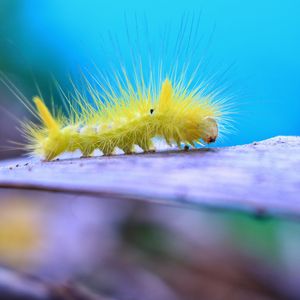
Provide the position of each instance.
(154, 90)
(136, 117)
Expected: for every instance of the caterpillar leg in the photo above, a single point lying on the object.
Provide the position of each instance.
(178, 143)
(86, 155)
(128, 149)
(189, 145)
(167, 139)
(86, 152)
(151, 147)
(107, 149)
(50, 156)
(178, 139)
(147, 145)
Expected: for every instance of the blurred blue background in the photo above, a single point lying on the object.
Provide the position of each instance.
(260, 38)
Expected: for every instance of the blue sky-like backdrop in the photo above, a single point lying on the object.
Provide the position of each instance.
(261, 38)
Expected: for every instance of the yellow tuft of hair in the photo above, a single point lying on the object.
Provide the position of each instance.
(165, 98)
(45, 115)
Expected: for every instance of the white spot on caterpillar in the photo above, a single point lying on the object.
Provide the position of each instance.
(161, 144)
(118, 151)
(87, 129)
(74, 154)
(98, 128)
(98, 152)
(137, 149)
(83, 129)
(95, 128)
(110, 125)
(69, 128)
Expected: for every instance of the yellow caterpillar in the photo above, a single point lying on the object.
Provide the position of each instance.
(134, 117)
(164, 97)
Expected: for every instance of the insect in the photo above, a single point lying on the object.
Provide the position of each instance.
(131, 112)
(176, 115)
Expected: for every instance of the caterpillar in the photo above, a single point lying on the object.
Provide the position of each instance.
(132, 111)
(176, 115)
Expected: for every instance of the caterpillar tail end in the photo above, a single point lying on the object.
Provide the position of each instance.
(45, 115)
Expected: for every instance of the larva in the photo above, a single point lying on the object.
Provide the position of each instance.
(135, 118)
(164, 97)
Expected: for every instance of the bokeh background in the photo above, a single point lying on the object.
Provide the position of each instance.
(259, 38)
(142, 251)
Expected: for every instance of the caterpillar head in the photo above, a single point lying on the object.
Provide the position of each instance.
(210, 132)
